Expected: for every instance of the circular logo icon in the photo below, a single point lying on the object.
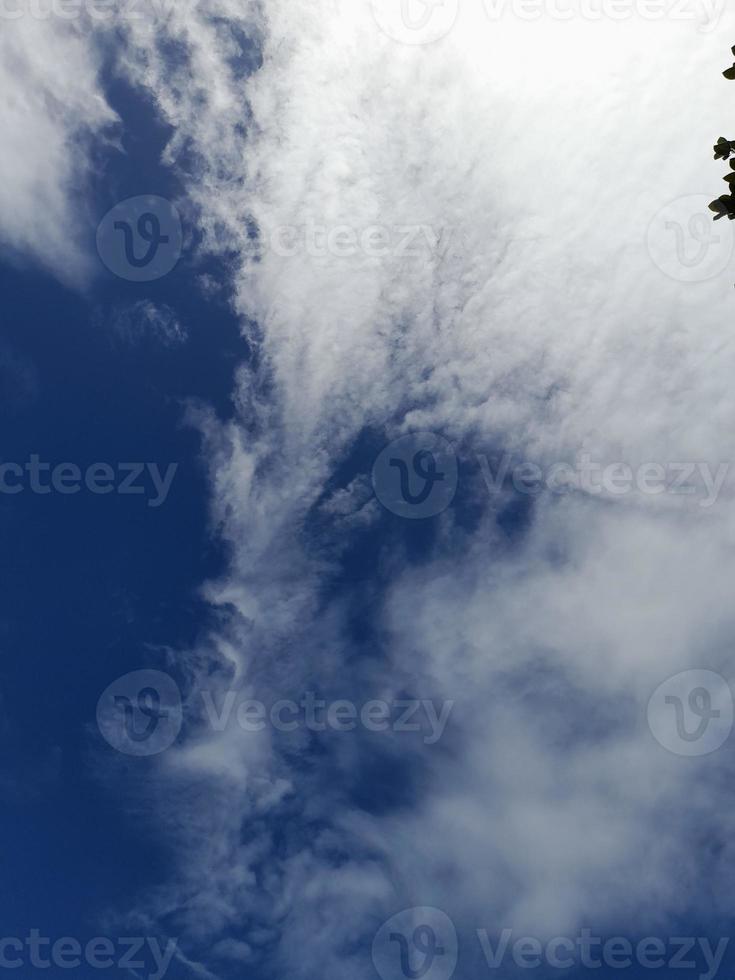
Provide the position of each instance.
(691, 713)
(140, 714)
(686, 243)
(415, 21)
(416, 944)
(416, 476)
(141, 239)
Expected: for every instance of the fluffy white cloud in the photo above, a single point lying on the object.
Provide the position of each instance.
(535, 158)
(51, 109)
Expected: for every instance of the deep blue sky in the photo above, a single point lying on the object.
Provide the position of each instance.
(89, 582)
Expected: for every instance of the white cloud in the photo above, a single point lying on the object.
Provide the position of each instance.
(51, 109)
(548, 149)
(146, 320)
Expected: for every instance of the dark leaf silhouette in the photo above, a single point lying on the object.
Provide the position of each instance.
(723, 148)
(724, 207)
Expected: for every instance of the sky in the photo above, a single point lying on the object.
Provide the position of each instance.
(366, 487)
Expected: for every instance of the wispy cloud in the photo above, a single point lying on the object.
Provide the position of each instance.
(48, 117)
(552, 151)
(148, 321)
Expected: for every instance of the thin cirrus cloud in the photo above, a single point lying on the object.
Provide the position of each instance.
(532, 317)
(52, 110)
(146, 321)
